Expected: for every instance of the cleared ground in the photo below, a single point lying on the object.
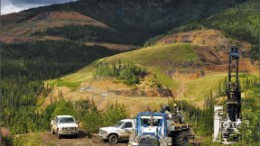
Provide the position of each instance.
(47, 139)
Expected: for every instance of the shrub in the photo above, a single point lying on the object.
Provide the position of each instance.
(127, 72)
(113, 114)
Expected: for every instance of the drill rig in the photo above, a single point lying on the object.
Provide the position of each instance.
(226, 127)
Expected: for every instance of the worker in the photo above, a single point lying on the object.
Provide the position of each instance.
(175, 107)
(166, 109)
(177, 114)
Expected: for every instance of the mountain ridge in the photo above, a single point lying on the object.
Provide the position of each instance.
(140, 20)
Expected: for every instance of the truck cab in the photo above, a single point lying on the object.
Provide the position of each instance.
(120, 131)
(64, 125)
(154, 128)
(151, 129)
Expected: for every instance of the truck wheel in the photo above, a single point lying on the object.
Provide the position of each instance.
(113, 139)
(181, 139)
(52, 131)
(76, 135)
(58, 135)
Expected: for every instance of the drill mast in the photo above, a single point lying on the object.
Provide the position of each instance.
(233, 86)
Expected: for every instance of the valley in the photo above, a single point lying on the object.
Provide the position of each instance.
(102, 61)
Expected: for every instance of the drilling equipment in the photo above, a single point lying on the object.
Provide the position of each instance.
(226, 127)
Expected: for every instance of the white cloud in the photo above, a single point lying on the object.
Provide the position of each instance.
(11, 6)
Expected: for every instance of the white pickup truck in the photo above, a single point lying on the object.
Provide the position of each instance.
(121, 131)
(64, 125)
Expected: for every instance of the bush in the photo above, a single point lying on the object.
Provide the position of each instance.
(92, 120)
(126, 72)
(113, 114)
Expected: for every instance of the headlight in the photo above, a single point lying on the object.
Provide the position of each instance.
(102, 132)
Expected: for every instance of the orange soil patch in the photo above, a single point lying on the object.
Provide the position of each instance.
(245, 65)
(111, 46)
(198, 37)
(212, 49)
(69, 15)
(16, 32)
(57, 38)
(208, 37)
(72, 16)
(17, 39)
(12, 18)
(208, 55)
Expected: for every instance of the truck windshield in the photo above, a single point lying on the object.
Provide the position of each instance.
(149, 122)
(66, 120)
(119, 124)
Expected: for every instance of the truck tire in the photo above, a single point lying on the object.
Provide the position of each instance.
(52, 131)
(148, 141)
(181, 138)
(58, 135)
(76, 136)
(112, 139)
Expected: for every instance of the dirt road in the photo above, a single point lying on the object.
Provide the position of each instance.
(49, 139)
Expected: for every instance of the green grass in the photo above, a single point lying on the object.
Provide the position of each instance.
(197, 88)
(156, 59)
(163, 56)
(32, 139)
(73, 81)
(164, 79)
(60, 83)
(40, 101)
(159, 59)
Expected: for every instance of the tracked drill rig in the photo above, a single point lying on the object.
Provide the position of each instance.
(226, 127)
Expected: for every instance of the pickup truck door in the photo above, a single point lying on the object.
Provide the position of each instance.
(127, 129)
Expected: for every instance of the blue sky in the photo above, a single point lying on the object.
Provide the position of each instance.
(10, 6)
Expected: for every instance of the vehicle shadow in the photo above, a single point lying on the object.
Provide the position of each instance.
(81, 134)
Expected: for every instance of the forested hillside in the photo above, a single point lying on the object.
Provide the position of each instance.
(240, 22)
(26, 66)
(135, 20)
